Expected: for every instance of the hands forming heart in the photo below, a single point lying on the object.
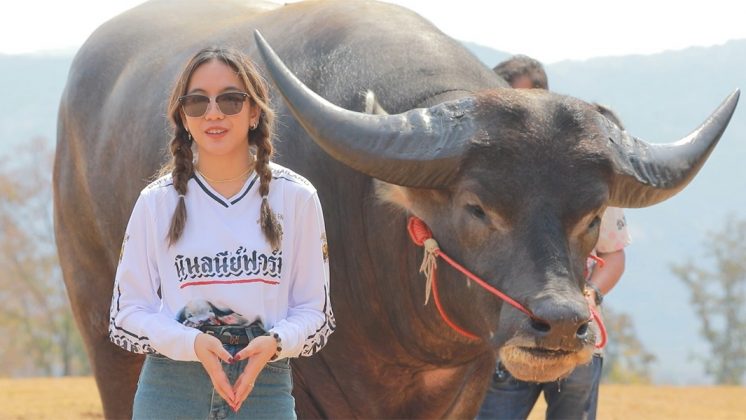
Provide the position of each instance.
(210, 352)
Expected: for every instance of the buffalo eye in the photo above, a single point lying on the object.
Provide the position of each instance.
(476, 211)
(594, 223)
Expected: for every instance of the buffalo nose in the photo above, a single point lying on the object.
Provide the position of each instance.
(560, 321)
(542, 327)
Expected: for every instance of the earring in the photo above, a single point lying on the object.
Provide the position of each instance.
(189, 138)
(253, 126)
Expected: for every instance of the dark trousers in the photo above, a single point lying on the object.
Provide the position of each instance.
(572, 398)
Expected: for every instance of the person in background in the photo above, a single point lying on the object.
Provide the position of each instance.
(522, 72)
(576, 396)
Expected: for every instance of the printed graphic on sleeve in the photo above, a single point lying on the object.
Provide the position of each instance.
(324, 247)
(126, 339)
(318, 339)
(124, 242)
(288, 175)
(129, 341)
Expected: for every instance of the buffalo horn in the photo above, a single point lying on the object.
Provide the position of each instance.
(646, 174)
(419, 148)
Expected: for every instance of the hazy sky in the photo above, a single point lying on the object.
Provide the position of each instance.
(548, 30)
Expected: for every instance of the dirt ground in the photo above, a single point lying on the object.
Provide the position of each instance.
(77, 398)
(642, 402)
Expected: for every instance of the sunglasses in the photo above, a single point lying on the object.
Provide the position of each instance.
(229, 103)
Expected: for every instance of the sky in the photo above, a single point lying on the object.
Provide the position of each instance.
(550, 31)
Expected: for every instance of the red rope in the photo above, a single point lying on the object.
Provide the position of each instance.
(594, 314)
(601, 327)
(436, 298)
(485, 285)
(420, 232)
(600, 261)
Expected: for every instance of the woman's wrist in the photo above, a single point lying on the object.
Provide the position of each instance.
(278, 344)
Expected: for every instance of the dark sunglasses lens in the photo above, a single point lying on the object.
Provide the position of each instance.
(230, 103)
(195, 105)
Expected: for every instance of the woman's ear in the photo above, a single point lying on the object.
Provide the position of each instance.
(183, 120)
(255, 113)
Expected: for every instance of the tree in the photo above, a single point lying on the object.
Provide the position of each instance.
(39, 334)
(718, 294)
(626, 360)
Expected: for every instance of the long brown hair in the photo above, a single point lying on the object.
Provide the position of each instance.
(181, 166)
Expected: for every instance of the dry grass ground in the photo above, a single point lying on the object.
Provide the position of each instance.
(49, 398)
(77, 398)
(642, 402)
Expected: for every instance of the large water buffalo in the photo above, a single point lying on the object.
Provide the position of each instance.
(511, 183)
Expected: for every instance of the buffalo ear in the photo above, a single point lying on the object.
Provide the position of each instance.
(372, 106)
(421, 202)
(393, 194)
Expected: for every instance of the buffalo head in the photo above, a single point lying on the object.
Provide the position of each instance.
(513, 184)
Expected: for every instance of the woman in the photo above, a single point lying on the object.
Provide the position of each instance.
(221, 278)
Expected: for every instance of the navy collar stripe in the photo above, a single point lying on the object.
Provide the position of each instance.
(246, 191)
(208, 192)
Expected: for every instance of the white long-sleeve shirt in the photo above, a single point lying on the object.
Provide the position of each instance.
(222, 270)
(613, 234)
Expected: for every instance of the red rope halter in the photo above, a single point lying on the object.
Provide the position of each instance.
(421, 234)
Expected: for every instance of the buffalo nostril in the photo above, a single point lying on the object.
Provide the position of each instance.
(582, 331)
(540, 325)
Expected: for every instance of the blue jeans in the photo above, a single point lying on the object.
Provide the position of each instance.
(575, 397)
(170, 389)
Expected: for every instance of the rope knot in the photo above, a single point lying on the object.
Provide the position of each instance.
(429, 265)
(418, 231)
(422, 236)
(431, 246)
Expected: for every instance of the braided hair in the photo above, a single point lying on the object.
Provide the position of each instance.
(181, 166)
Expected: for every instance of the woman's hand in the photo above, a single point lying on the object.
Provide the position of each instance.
(258, 353)
(210, 352)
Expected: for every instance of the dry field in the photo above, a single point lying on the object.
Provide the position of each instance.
(77, 398)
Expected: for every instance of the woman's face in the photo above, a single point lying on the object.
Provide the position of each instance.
(214, 132)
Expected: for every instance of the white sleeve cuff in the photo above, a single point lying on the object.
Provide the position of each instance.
(286, 351)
